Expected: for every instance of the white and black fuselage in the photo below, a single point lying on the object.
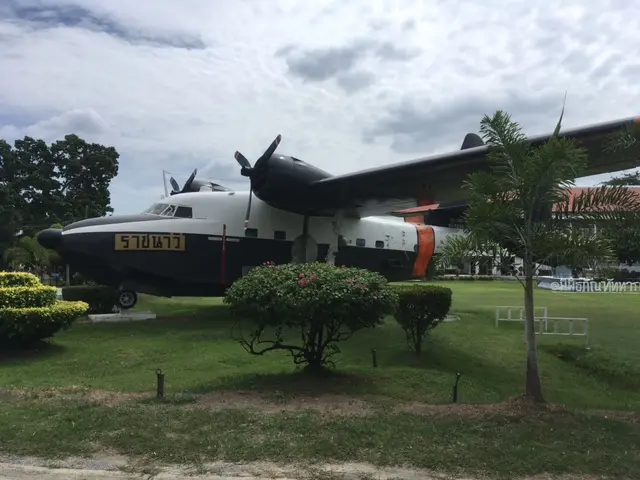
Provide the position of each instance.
(196, 244)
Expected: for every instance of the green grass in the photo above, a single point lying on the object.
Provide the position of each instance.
(505, 446)
(192, 345)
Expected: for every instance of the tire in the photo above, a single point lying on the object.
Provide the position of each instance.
(126, 299)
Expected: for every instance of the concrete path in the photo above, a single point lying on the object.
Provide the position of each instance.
(24, 472)
(26, 468)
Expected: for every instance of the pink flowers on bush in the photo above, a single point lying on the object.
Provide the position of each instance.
(304, 281)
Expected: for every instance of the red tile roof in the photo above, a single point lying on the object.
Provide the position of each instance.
(574, 193)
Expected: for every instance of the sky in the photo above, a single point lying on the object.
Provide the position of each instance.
(349, 85)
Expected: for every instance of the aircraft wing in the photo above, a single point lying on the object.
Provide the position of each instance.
(439, 178)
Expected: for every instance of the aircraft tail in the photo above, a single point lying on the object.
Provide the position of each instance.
(471, 140)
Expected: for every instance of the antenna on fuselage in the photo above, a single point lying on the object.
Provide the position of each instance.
(164, 183)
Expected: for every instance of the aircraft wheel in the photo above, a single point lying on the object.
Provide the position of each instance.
(126, 299)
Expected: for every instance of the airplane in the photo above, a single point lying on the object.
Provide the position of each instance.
(200, 239)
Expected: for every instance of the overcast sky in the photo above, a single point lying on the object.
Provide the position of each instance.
(177, 85)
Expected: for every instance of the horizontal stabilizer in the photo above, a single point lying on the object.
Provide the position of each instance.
(471, 140)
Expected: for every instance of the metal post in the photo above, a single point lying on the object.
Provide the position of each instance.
(374, 357)
(223, 259)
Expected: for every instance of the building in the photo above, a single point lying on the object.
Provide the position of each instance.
(452, 215)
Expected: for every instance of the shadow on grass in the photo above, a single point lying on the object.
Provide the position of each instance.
(444, 357)
(35, 352)
(188, 312)
(210, 318)
(599, 363)
(294, 383)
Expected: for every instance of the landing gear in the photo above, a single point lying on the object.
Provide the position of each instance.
(126, 299)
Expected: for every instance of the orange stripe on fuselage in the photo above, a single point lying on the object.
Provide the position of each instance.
(426, 248)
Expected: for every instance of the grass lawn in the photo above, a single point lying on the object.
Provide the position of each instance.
(380, 415)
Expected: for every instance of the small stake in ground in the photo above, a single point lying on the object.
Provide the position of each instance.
(374, 357)
(160, 389)
(455, 388)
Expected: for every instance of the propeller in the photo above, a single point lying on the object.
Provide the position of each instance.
(246, 170)
(187, 185)
(174, 185)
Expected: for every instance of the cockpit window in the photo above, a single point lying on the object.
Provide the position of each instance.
(166, 210)
(156, 208)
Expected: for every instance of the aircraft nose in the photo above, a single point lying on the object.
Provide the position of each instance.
(50, 238)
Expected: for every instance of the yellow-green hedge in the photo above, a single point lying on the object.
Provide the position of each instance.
(24, 325)
(23, 297)
(19, 279)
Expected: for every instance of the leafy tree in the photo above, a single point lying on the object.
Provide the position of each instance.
(12, 204)
(625, 236)
(307, 309)
(85, 173)
(420, 310)
(42, 184)
(524, 203)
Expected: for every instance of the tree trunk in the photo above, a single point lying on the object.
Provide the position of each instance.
(315, 350)
(533, 386)
(417, 344)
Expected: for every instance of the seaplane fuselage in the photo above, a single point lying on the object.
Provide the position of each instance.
(196, 244)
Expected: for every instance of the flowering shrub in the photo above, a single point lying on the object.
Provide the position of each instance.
(306, 309)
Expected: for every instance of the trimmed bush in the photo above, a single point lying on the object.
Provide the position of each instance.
(29, 311)
(421, 308)
(101, 299)
(18, 279)
(23, 297)
(23, 325)
(306, 309)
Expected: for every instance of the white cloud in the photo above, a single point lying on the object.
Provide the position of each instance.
(179, 85)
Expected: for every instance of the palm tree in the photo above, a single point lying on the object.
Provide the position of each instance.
(525, 204)
(27, 254)
(460, 249)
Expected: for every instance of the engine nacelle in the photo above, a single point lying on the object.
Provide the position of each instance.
(283, 182)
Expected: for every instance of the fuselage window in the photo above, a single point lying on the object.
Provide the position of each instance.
(360, 242)
(379, 244)
(184, 212)
(280, 235)
(251, 233)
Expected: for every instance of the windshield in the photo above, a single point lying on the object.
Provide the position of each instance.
(163, 209)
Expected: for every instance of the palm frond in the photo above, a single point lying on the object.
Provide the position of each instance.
(556, 131)
(16, 257)
(623, 140)
(575, 248)
(602, 204)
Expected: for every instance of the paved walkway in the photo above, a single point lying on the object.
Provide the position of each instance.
(26, 468)
(23, 472)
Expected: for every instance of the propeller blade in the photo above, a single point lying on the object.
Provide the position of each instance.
(190, 180)
(246, 218)
(242, 160)
(272, 148)
(174, 184)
